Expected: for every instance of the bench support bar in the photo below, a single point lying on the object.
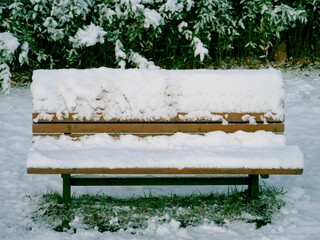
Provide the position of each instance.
(253, 186)
(66, 188)
(252, 181)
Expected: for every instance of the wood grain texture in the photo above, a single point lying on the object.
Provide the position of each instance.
(151, 128)
(230, 117)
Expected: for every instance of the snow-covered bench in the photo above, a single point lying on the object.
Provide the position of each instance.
(175, 127)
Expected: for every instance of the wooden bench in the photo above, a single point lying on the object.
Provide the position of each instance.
(73, 124)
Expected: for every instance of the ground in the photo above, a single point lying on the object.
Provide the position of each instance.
(299, 219)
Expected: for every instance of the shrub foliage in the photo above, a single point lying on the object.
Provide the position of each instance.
(153, 33)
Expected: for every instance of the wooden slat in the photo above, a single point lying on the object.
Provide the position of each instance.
(151, 128)
(230, 117)
(163, 171)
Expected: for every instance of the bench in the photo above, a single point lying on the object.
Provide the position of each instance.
(115, 127)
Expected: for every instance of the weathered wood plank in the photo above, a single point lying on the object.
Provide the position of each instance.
(230, 117)
(151, 128)
(163, 171)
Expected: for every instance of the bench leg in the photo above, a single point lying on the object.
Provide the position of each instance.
(66, 191)
(253, 186)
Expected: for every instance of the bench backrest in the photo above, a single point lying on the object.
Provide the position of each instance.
(151, 102)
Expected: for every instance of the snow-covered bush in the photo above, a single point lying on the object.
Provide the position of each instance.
(8, 46)
(263, 22)
(88, 36)
(215, 23)
(150, 33)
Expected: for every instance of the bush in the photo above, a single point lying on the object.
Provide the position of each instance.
(153, 33)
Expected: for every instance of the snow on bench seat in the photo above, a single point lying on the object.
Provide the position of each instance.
(219, 150)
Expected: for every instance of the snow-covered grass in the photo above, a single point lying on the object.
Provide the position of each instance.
(298, 219)
(107, 213)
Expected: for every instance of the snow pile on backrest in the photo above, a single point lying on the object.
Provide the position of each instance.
(156, 94)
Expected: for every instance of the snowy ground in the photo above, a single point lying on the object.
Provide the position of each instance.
(299, 219)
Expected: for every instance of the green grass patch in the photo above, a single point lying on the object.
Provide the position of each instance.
(106, 213)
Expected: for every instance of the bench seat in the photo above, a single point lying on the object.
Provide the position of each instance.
(163, 124)
(250, 153)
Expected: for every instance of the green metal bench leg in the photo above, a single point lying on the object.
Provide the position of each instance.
(66, 191)
(253, 186)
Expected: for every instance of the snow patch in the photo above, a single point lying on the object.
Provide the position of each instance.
(8, 44)
(152, 18)
(213, 150)
(88, 36)
(156, 94)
